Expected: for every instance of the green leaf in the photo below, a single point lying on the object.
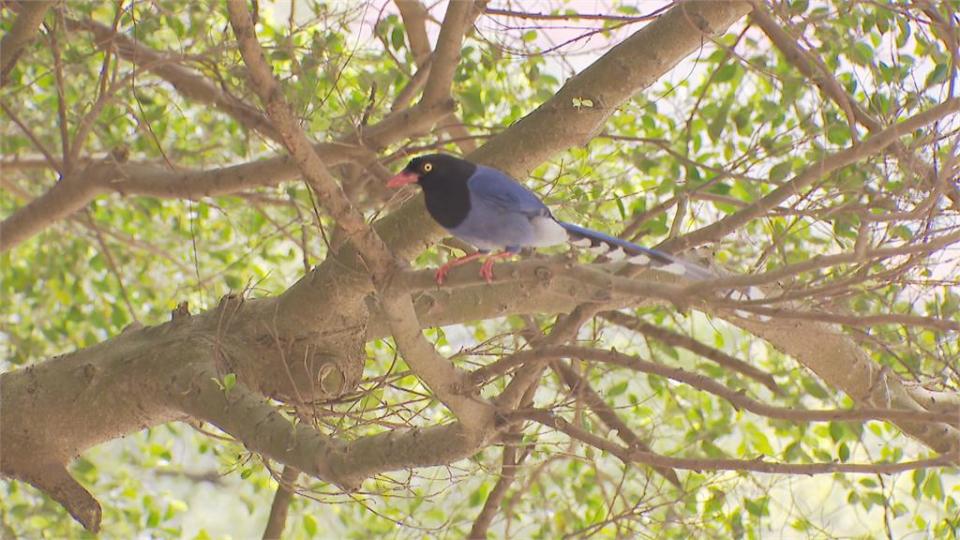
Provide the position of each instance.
(780, 171)
(726, 72)
(836, 431)
(310, 524)
(397, 38)
(720, 119)
(617, 389)
(860, 53)
(758, 507)
(838, 134)
(229, 381)
(933, 487)
(938, 75)
(759, 440)
(843, 452)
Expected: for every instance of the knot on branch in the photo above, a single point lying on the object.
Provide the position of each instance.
(307, 368)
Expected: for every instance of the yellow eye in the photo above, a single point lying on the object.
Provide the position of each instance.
(427, 167)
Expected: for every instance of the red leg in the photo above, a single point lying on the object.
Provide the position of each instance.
(441, 274)
(486, 271)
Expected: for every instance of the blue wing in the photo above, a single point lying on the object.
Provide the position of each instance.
(505, 215)
(498, 189)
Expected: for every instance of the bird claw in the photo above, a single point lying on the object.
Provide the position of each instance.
(441, 274)
(486, 271)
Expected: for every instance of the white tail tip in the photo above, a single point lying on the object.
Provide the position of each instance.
(676, 269)
(581, 242)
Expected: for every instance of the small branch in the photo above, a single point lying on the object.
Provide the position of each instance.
(876, 143)
(329, 193)
(281, 503)
(53, 162)
(812, 67)
(629, 455)
(906, 320)
(570, 16)
(62, 122)
(564, 330)
(677, 340)
(606, 414)
(55, 480)
(824, 261)
(737, 399)
(188, 82)
(508, 473)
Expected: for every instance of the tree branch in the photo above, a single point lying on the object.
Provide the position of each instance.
(22, 32)
(277, 519)
(816, 171)
(510, 462)
(70, 194)
(414, 17)
(813, 68)
(449, 383)
(188, 82)
(446, 55)
(606, 414)
(678, 340)
(329, 192)
(629, 455)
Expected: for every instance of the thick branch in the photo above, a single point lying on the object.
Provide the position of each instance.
(21, 33)
(414, 17)
(446, 381)
(66, 197)
(446, 55)
(260, 427)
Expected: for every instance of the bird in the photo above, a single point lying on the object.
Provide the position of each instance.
(489, 209)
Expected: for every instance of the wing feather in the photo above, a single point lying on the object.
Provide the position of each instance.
(505, 193)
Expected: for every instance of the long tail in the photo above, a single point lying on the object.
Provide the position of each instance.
(616, 249)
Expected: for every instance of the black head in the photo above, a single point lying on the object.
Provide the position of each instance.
(444, 182)
(433, 170)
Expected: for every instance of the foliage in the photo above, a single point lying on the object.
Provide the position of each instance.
(725, 128)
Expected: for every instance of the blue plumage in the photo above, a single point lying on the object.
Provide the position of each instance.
(505, 215)
(490, 210)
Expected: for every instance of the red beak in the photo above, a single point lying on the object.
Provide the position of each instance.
(402, 179)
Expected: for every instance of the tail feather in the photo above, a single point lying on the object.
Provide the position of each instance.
(619, 249)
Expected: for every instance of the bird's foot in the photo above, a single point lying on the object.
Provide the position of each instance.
(486, 271)
(441, 274)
